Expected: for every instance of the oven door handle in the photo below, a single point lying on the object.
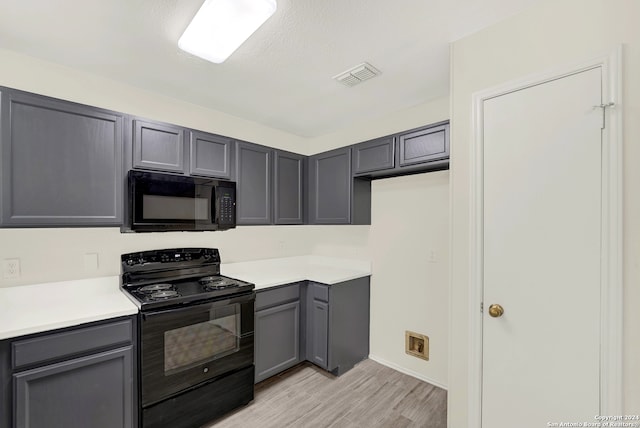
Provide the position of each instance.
(199, 307)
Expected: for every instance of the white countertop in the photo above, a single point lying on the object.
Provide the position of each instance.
(41, 307)
(36, 308)
(272, 272)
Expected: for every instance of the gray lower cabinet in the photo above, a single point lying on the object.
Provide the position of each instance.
(327, 325)
(77, 377)
(158, 146)
(318, 334)
(334, 196)
(61, 162)
(277, 330)
(254, 168)
(211, 155)
(337, 335)
(289, 185)
(89, 391)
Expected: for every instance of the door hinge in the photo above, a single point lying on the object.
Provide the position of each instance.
(604, 110)
(481, 307)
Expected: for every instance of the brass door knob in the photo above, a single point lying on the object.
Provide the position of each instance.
(496, 311)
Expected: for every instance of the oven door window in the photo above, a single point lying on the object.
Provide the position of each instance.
(189, 346)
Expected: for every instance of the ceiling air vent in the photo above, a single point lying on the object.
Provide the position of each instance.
(357, 74)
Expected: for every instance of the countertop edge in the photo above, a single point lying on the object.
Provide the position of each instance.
(76, 322)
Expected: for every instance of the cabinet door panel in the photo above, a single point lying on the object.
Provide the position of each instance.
(289, 185)
(424, 145)
(93, 391)
(330, 187)
(158, 146)
(320, 333)
(253, 169)
(61, 162)
(210, 155)
(277, 339)
(374, 155)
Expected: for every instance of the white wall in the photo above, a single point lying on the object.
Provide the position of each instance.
(550, 35)
(422, 114)
(410, 220)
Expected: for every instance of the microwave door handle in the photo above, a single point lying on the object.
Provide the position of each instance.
(215, 206)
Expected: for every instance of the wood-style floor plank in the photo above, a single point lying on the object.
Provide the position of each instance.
(369, 395)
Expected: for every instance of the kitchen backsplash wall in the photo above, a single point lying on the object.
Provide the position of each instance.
(48, 255)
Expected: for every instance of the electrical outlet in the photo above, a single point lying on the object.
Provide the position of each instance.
(433, 256)
(11, 268)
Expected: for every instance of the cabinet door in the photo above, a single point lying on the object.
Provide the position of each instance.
(158, 146)
(210, 155)
(253, 170)
(277, 339)
(92, 391)
(61, 162)
(424, 145)
(330, 187)
(374, 155)
(289, 185)
(319, 334)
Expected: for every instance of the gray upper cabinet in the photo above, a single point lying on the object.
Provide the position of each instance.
(374, 155)
(254, 188)
(211, 155)
(424, 145)
(330, 184)
(289, 184)
(61, 162)
(159, 146)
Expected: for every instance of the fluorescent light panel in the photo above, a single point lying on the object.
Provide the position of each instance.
(221, 26)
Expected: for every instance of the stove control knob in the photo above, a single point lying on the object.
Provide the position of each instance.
(130, 262)
(188, 256)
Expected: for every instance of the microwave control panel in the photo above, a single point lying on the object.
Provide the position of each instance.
(226, 206)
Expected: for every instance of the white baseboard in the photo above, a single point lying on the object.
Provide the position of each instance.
(407, 371)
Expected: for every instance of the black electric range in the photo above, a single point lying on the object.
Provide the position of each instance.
(196, 345)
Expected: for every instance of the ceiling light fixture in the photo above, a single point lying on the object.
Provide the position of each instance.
(221, 26)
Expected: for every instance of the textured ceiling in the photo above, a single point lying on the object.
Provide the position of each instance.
(282, 76)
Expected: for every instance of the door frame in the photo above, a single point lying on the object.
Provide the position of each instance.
(611, 228)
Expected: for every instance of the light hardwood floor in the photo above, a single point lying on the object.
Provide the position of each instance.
(369, 395)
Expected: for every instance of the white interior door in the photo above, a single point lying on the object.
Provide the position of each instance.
(542, 253)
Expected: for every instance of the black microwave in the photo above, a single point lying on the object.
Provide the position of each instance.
(164, 202)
